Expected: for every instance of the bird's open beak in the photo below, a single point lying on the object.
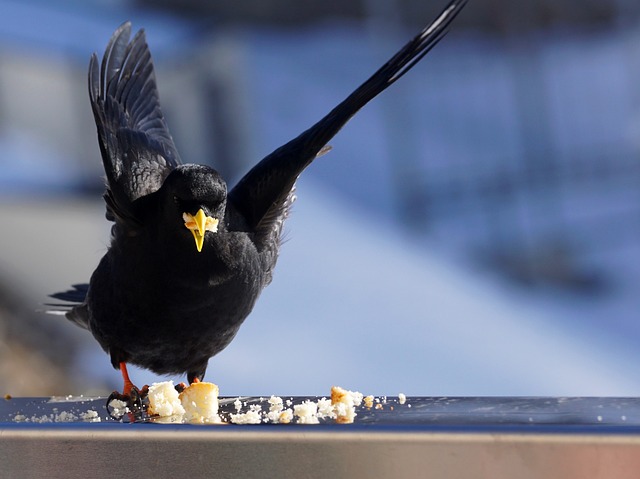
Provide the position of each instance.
(198, 224)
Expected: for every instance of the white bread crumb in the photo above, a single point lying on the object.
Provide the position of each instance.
(344, 404)
(252, 416)
(90, 416)
(402, 398)
(118, 408)
(326, 409)
(306, 412)
(164, 400)
(275, 404)
(275, 409)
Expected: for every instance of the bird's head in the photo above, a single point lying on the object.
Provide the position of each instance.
(195, 201)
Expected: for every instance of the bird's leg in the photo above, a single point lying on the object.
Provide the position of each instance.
(128, 385)
(181, 386)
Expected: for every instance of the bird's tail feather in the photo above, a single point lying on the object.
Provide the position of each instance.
(73, 307)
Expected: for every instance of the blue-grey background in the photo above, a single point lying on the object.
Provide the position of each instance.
(474, 231)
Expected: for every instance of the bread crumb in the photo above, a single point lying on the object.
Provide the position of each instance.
(306, 412)
(275, 403)
(252, 416)
(275, 409)
(65, 416)
(402, 398)
(286, 416)
(118, 408)
(368, 402)
(345, 403)
(325, 409)
(164, 400)
(90, 416)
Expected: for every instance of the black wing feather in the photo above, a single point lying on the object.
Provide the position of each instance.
(136, 146)
(263, 195)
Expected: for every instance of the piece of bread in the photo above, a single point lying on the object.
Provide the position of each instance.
(200, 403)
(164, 400)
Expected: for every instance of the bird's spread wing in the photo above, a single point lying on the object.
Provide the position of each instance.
(137, 149)
(262, 196)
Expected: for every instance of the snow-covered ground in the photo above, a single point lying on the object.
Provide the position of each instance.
(359, 297)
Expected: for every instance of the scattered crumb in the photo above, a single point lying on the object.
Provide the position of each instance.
(286, 416)
(198, 403)
(252, 416)
(275, 404)
(344, 404)
(275, 409)
(379, 406)
(65, 416)
(368, 402)
(306, 412)
(118, 408)
(90, 416)
(325, 409)
(402, 398)
(41, 419)
(7, 396)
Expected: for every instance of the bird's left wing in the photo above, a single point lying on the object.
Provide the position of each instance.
(137, 149)
(262, 197)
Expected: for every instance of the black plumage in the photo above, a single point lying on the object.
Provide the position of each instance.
(155, 300)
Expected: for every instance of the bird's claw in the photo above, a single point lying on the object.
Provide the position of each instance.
(132, 406)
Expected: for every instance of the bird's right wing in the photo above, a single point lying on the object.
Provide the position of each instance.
(137, 149)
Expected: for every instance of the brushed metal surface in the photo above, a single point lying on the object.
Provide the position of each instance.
(301, 452)
(435, 437)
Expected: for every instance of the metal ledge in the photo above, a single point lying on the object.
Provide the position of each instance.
(435, 437)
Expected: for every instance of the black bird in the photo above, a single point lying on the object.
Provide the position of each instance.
(155, 300)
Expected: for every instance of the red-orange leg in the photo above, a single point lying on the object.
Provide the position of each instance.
(128, 385)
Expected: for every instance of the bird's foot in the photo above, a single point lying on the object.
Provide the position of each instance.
(131, 403)
(130, 407)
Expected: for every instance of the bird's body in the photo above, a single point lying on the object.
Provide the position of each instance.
(155, 300)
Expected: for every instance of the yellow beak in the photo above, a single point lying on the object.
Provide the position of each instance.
(198, 224)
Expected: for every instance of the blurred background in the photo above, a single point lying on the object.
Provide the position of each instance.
(474, 231)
